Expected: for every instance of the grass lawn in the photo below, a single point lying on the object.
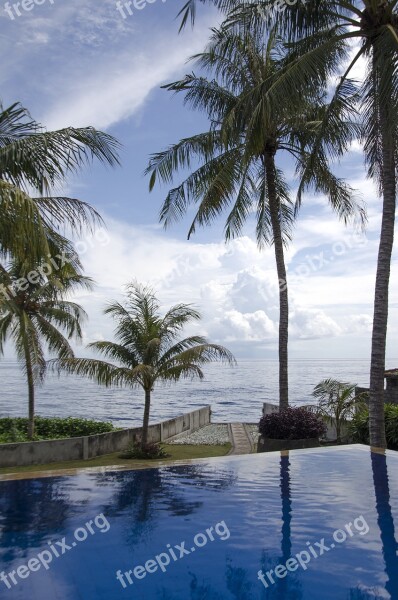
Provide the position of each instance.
(176, 452)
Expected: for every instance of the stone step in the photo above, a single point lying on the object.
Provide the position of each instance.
(240, 439)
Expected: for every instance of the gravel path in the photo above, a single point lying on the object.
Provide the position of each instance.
(253, 429)
(212, 435)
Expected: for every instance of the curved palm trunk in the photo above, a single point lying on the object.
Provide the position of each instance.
(31, 392)
(380, 318)
(270, 174)
(145, 425)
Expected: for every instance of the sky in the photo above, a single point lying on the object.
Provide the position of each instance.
(79, 63)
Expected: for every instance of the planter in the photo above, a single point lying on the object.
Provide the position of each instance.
(270, 445)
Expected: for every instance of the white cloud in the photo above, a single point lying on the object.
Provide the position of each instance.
(119, 85)
(238, 298)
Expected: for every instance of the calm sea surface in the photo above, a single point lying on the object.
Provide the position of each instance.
(235, 394)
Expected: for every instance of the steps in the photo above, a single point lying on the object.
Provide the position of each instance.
(240, 439)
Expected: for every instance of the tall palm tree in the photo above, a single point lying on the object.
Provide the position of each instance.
(238, 160)
(330, 38)
(33, 160)
(321, 29)
(37, 315)
(147, 350)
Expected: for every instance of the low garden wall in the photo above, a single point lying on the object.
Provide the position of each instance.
(84, 448)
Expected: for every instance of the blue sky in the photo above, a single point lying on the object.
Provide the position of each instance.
(80, 63)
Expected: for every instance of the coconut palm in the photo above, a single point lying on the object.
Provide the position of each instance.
(330, 38)
(337, 402)
(33, 160)
(147, 350)
(238, 167)
(37, 315)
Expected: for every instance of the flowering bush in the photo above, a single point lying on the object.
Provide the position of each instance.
(292, 424)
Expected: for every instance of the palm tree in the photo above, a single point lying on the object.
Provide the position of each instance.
(337, 402)
(325, 35)
(147, 349)
(32, 159)
(238, 160)
(35, 315)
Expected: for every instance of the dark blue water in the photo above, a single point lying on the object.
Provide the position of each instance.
(263, 510)
(235, 394)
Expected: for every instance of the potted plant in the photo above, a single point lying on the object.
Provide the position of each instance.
(290, 429)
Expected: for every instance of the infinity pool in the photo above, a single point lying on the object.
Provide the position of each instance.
(315, 525)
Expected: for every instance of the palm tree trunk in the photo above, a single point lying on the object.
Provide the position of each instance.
(31, 393)
(380, 318)
(145, 425)
(274, 206)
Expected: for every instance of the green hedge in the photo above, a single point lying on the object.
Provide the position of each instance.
(16, 430)
(360, 426)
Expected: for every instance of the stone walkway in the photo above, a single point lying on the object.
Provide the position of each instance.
(240, 439)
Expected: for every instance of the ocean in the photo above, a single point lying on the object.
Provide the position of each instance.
(235, 394)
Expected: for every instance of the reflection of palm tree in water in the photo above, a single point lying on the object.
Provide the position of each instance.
(29, 510)
(288, 588)
(385, 522)
(239, 581)
(148, 494)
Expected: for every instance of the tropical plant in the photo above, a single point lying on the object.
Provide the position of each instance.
(238, 155)
(16, 429)
(359, 426)
(35, 315)
(292, 424)
(148, 349)
(149, 451)
(330, 38)
(337, 403)
(32, 159)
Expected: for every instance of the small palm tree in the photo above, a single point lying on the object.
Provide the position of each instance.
(36, 315)
(337, 402)
(148, 350)
(34, 159)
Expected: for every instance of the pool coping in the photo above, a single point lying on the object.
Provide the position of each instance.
(184, 462)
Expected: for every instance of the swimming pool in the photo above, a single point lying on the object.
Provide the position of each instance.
(315, 525)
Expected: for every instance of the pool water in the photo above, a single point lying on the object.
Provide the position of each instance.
(319, 522)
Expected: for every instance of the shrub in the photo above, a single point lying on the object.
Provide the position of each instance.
(292, 424)
(151, 451)
(359, 427)
(16, 430)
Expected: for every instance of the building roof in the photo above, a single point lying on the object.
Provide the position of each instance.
(391, 373)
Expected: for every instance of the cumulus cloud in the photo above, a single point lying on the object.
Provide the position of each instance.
(239, 304)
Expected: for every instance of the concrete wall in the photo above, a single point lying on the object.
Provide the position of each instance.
(390, 393)
(270, 409)
(84, 448)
